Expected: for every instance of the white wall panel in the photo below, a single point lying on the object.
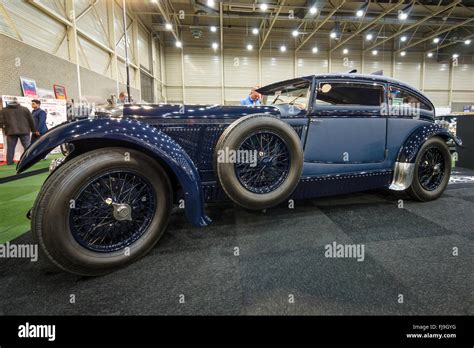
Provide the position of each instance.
(144, 48)
(276, 66)
(343, 63)
(200, 95)
(93, 57)
(233, 95)
(34, 27)
(202, 67)
(173, 67)
(157, 63)
(438, 98)
(466, 97)
(174, 94)
(94, 22)
(408, 68)
(382, 61)
(436, 75)
(123, 76)
(119, 31)
(241, 68)
(309, 63)
(463, 77)
(57, 6)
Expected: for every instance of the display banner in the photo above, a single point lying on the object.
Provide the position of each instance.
(56, 114)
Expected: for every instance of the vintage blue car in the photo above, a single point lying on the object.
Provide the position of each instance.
(109, 202)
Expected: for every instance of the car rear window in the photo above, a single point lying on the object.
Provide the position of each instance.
(349, 93)
(401, 97)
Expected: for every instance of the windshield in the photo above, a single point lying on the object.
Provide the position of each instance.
(297, 97)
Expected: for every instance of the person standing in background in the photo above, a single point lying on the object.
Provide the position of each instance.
(39, 115)
(252, 98)
(17, 122)
(123, 98)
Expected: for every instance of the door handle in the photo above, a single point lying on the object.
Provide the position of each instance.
(316, 121)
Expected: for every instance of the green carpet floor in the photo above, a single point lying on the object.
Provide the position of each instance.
(16, 198)
(11, 170)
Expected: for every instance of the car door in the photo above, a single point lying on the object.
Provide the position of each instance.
(346, 124)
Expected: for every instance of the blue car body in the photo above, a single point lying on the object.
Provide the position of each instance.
(347, 148)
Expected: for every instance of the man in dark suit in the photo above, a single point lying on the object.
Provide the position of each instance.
(39, 115)
(17, 122)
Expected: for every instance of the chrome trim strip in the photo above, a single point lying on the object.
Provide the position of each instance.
(402, 176)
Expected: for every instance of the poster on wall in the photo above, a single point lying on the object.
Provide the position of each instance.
(60, 92)
(28, 86)
(46, 93)
(56, 112)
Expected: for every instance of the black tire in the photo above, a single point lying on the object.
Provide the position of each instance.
(421, 188)
(54, 220)
(235, 137)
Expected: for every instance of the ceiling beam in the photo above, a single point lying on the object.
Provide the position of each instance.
(450, 43)
(168, 20)
(431, 15)
(368, 25)
(320, 25)
(280, 6)
(435, 34)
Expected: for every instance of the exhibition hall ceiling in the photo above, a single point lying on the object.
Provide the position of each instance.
(302, 24)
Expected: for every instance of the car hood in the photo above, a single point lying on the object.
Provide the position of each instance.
(189, 111)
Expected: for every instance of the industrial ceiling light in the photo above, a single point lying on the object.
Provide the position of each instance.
(283, 48)
(374, 52)
(249, 47)
(403, 38)
(436, 40)
(345, 51)
(263, 7)
(213, 29)
(255, 31)
(403, 14)
(455, 55)
(215, 46)
(315, 50)
(361, 11)
(210, 3)
(168, 26)
(430, 54)
(313, 10)
(295, 33)
(467, 42)
(369, 37)
(336, 31)
(179, 44)
(403, 53)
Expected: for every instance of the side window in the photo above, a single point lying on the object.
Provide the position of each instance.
(349, 93)
(402, 98)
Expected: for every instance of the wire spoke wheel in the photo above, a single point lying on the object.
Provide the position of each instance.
(112, 211)
(431, 169)
(270, 165)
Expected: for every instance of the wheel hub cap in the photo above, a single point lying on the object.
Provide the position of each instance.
(122, 212)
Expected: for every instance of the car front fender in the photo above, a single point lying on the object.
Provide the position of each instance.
(405, 165)
(142, 136)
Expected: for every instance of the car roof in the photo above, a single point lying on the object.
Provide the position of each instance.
(366, 77)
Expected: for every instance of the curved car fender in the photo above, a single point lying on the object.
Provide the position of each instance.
(139, 134)
(405, 164)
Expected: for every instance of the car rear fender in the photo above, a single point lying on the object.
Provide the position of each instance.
(137, 134)
(405, 165)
